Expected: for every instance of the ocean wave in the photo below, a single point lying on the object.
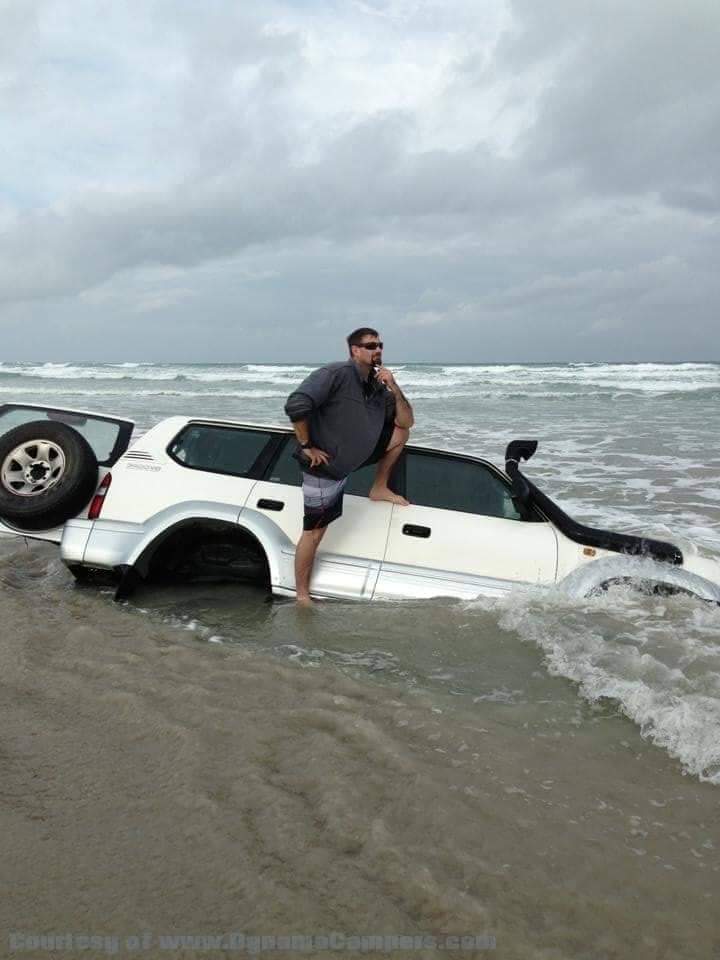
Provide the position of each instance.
(273, 368)
(139, 372)
(250, 376)
(270, 389)
(491, 370)
(130, 364)
(74, 372)
(38, 393)
(654, 380)
(670, 687)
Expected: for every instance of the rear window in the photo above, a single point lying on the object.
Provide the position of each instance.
(218, 449)
(102, 435)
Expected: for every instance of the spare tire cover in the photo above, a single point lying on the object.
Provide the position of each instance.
(48, 473)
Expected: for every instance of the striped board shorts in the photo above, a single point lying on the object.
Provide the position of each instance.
(322, 500)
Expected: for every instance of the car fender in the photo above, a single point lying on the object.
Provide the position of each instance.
(279, 549)
(582, 581)
(114, 543)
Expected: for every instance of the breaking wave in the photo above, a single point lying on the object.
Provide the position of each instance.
(657, 658)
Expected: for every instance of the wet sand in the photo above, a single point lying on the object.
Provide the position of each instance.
(155, 784)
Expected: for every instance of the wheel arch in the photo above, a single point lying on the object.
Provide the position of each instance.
(261, 530)
(599, 574)
(180, 529)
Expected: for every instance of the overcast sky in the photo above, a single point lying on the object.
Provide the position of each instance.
(230, 180)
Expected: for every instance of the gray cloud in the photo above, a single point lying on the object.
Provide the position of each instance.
(533, 182)
(634, 105)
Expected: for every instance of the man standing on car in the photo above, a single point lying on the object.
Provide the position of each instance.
(345, 415)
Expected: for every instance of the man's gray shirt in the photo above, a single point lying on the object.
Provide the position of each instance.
(345, 414)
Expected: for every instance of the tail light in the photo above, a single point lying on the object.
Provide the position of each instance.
(99, 498)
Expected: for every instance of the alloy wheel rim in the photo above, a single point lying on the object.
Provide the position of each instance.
(32, 468)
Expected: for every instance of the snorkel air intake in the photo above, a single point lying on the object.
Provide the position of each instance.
(525, 496)
(518, 450)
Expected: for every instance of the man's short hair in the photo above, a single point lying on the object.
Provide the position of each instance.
(357, 337)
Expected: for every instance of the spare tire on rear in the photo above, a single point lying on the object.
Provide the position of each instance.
(48, 473)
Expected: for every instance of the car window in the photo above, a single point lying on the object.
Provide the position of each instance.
(453, 484)
(102, 435)
(218, 449)
(287, 470)
(361, 480)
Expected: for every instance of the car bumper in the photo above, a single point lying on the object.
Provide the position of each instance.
(98, 544)
(74, 540)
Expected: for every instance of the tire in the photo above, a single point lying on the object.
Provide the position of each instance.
(649, 588)
(92, 576)
(48, 473)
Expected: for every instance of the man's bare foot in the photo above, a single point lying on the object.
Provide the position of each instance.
(385, 493)
(304, 600)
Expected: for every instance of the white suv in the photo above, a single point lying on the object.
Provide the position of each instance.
(217, 499)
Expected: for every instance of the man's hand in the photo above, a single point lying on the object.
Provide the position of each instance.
(315, 456)
(384, 376)
(403, 411)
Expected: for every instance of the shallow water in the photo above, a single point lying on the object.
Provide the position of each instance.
(200, 760)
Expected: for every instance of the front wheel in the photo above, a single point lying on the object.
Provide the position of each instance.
(649, 588)
(48, 472)
(640, 574)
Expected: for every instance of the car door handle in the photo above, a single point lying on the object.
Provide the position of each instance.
(413, 530)
(270, 504)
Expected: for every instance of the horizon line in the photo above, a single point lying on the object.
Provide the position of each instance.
(306, 363)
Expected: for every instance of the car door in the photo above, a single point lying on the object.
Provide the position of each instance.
(349, 557)
(461, 535)
(108, 437)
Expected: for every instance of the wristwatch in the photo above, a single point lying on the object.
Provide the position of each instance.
(306, 446)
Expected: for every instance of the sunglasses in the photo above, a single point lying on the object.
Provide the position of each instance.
(371, 345)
